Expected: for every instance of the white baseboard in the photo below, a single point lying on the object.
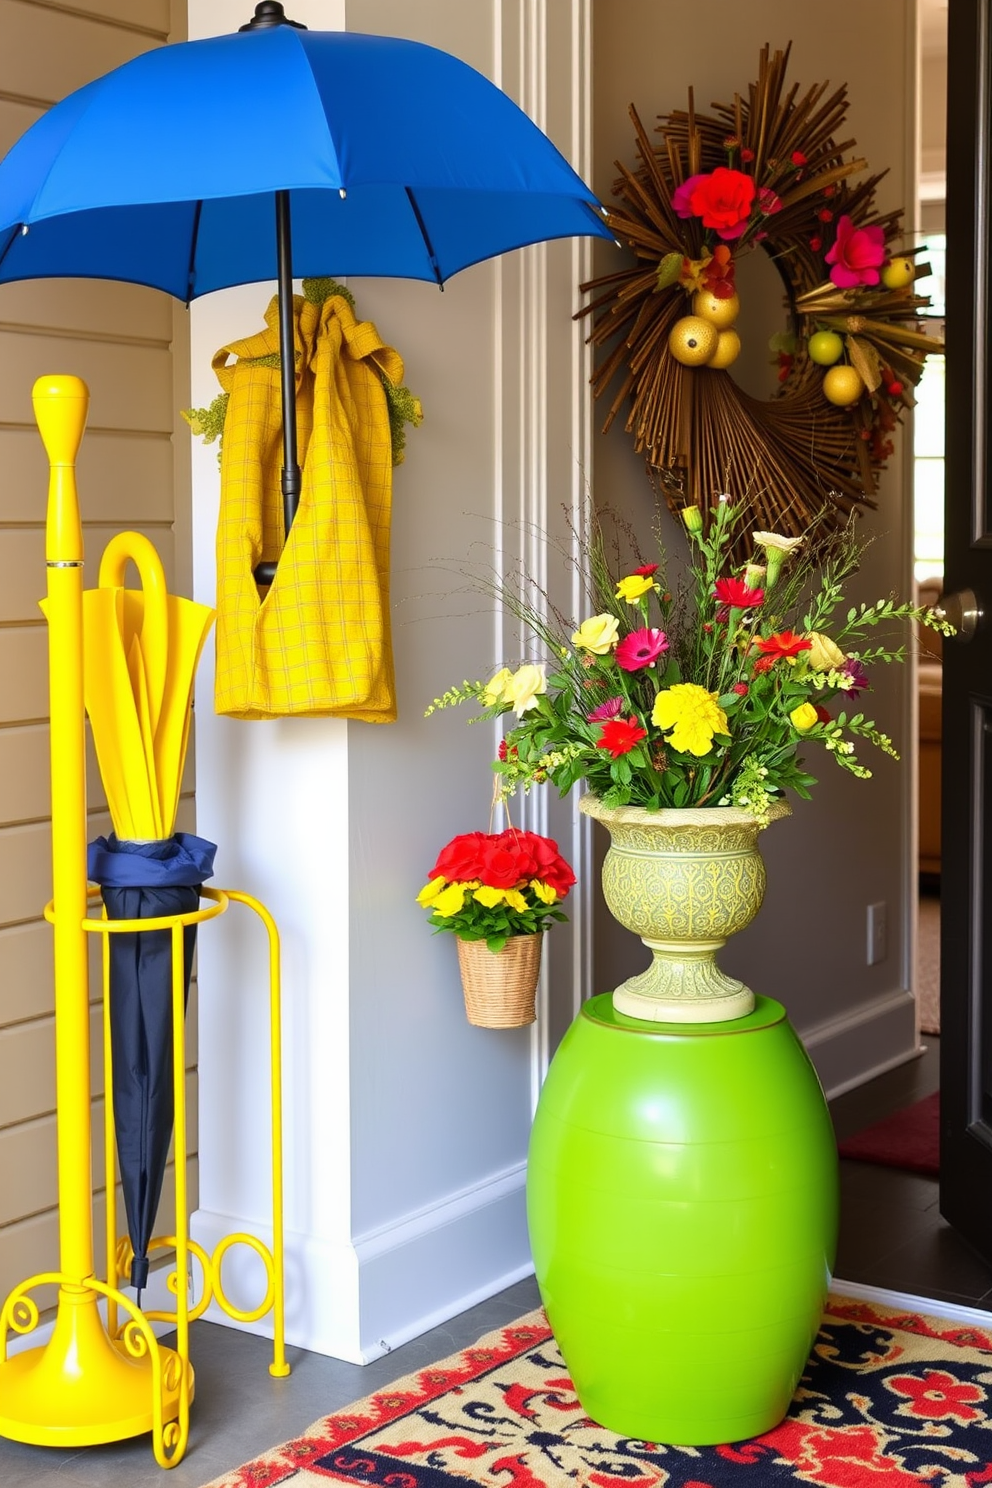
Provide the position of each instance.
(360, 1301)
(955, 1312)
(855, 1047)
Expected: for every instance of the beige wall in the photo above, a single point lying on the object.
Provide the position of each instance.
(853, 845)
(118, 338)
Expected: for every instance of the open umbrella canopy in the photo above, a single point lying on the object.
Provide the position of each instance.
(399, 159)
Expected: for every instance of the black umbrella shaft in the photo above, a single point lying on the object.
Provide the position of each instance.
(291, 478)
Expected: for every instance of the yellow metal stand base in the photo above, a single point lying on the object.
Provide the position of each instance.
(83, 1388)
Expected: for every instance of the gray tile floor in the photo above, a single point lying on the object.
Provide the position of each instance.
(891, 1236)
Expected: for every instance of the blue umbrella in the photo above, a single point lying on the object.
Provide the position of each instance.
(242, 158)
(278, 150)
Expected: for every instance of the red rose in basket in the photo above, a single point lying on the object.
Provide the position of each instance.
(496, 891)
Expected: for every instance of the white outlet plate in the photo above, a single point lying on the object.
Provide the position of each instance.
(877, 933)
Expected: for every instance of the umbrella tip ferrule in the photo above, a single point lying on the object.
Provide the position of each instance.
(270, 13)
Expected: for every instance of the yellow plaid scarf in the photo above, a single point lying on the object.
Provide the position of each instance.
(318, 643)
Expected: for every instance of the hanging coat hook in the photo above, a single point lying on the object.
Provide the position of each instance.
(270, 13)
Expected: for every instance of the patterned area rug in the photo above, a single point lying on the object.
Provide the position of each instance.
(888, 1400)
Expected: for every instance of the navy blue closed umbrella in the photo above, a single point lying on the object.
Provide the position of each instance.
(145, 880)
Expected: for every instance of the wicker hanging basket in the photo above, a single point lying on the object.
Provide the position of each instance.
(499, 986)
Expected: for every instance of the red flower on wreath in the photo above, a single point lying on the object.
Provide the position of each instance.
(938, 1394)
(620, 735)
(723, 198)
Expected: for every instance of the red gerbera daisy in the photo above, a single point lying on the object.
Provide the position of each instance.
(783, 643)
(736, 595)
(646, 570)
(620, 735)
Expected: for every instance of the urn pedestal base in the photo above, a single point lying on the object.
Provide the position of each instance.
(682, 1202)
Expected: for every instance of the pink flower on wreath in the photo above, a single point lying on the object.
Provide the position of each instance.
(641, 649)
(682, 196)
(769, 201)
(612, 708)
(856, 255)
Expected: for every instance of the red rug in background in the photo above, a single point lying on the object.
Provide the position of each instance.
(908, 1139)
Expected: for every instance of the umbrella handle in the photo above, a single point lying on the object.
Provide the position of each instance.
(135, 547)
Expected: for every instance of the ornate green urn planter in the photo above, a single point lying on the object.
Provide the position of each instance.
(683, 880)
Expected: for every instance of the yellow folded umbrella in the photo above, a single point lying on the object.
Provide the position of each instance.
(140, 653)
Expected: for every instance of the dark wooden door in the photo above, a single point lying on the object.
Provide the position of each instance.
(966, 849)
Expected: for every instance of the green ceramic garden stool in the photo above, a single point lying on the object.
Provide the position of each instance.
(682, 1202)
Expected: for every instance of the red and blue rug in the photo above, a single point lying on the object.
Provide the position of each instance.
(888, 1400)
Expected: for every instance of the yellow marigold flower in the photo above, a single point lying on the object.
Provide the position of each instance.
(803, 717)
(599, 634)
(543, 891)
(488, 897)
(524, 688)
(431, 890)
(634, 587)
(495, 689)
(693, 715)
(515, 899)
(450, 900)
(824, 655)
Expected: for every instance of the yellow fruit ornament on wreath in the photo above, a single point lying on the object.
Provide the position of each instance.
(761, 172)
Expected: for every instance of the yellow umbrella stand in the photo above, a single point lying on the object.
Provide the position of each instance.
(97, 1378)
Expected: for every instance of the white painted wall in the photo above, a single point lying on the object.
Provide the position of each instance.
(406, 1128)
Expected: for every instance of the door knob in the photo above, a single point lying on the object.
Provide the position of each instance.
(962, 610)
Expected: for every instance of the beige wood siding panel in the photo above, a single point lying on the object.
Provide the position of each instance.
(97, 307)
(130, 386)
(27, 972)
(29, 1159)
(31, 1246)
(26, 867)
(25, 775)
(22, 558)
(147, 15)
(15, 117)
(23, 674)
(27, 1068)
(124, 480)
(48, 53)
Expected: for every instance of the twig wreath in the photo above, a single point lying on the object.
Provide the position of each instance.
(765, 170)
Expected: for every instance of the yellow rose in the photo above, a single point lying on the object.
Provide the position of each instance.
(543, 891)
(524, 688)
(430, 891)
(450, 900)
(824, 655)
(803, 717)
(495, 689)
(598, 634)
(634, 587)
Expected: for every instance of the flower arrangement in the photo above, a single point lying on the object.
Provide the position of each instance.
(707, 697)
(492, 886)
(765, 171)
